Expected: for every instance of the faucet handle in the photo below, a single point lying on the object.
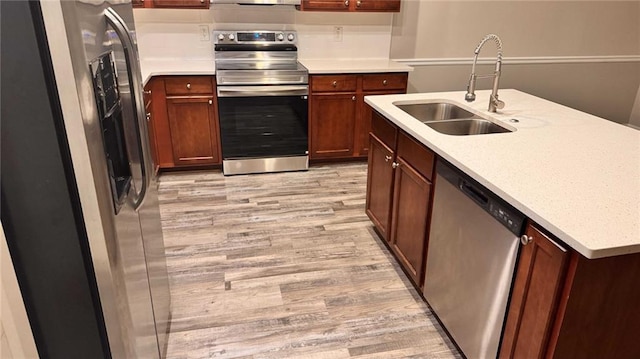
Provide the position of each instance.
(498, 104)
(470, 97)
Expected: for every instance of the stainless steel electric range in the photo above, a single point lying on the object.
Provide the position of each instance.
(262, 102)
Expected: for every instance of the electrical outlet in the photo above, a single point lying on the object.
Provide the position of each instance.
(204, 32)
(337, 33)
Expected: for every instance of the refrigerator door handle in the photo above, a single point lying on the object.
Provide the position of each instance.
(135, 86)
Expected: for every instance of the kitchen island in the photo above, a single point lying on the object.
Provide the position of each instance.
(575, 176)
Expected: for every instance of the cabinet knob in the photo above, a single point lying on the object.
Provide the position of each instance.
(384, 82)
(346, 2)
(147, 92)
(395, 165)
(358, 3)
(210, 102)
(524, 239)
(201, 1)
(188, 86)
(148, 116)
(387, 158)
(334, 83)
(353, 98)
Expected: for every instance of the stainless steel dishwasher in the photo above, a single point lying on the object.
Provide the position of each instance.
(473, 247)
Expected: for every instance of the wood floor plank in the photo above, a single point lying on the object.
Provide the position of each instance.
(286, 265)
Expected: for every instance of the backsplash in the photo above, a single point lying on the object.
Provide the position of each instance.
(178, 33)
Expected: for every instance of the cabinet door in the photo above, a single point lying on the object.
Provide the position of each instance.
(535, 296)
(325, 5)
(380, 185)
(377, 5)
(363, 122)
(193, 4)
(332, 118)
(409, 218)
(193, 130)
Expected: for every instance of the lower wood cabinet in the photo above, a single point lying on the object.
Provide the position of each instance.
(380, 185)
(171, 4)
(193, 130)
(536, 293)
(411, 200)
(184, 121)
(332, 125)
(399, 193)
(339, 119)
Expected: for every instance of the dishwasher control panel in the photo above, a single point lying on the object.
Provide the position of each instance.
(510, 218)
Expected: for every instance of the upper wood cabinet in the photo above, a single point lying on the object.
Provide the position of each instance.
(339, 119)
(351, 5)
(171, 4)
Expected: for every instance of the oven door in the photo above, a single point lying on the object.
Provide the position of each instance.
(263, 121)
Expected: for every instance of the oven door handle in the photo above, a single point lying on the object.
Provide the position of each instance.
(258, 91)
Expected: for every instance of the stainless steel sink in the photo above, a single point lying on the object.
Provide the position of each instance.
(427, 112)
(470, 126)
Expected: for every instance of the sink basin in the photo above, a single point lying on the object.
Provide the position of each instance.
(427, 112)
(471, 126)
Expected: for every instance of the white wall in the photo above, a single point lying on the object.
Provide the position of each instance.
(426, 30)
(16, 340)
(172, 33)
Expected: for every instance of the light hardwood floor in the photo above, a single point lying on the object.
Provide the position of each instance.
(286, 265)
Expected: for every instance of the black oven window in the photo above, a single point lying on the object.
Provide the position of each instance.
(269, 126)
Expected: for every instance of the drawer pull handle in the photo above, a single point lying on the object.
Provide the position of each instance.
(387, 158)
(353, 98)
(210, 102)
(384, 82)
(346, 2)
(358, 3)
(395, 165)
(334, 83)
(148, 116)
(524, 239)
(188, 86)
(147, 92)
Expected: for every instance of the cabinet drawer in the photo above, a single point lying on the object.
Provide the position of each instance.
(384, 130)
(416, 154)
(333, 83)
(188, 85)
(388, 81)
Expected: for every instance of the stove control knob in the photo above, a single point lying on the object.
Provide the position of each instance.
(232, 37)
(221, 37)
(280, 36)
(290, 37)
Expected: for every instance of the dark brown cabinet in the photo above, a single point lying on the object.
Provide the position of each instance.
(184, 121)
(399, 193)
(193, 128)
(536, 292)
(340, 120)
(171, 4)
(331, 125)
(351, 5)
(148, 109)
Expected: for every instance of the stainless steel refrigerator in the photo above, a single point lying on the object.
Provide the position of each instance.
(79, 192)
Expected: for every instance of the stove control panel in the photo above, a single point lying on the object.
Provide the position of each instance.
(255, 37)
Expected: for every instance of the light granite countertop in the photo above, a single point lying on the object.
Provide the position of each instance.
(187, 66)
(575, 174)
(332, 66)
(176, 66)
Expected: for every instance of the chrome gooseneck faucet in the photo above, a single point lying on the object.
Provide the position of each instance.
(494, 102)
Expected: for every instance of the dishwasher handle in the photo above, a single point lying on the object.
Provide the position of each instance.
(475, 193)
